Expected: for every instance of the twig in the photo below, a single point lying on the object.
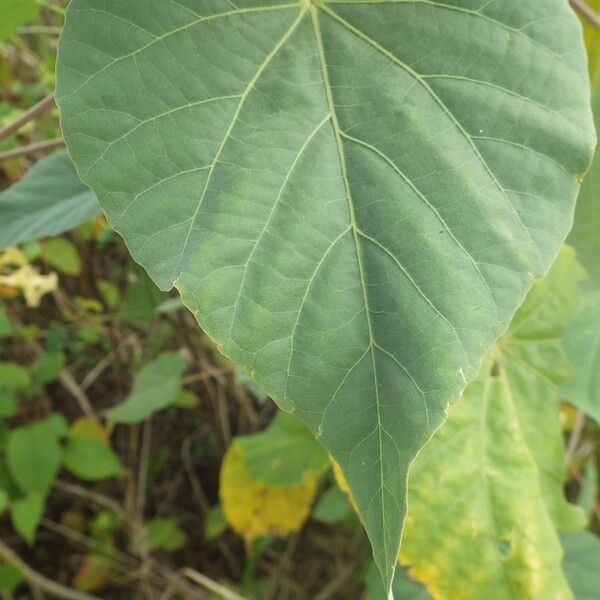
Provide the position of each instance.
(37, 579)
(39, 30)
(99, 499)
(72, 386)
(211, 585)
(186, 458)
(37, 147)
(575, 436)
(27, 116)
(586, 11)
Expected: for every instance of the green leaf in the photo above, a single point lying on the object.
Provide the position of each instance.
(47, 368)
(581, 563)
(584, 235)
(156, 386)
(485, 495)
(404, 588)
(8, 405)
(62, 254)
(6, 325)
(142, 300)
(352, 197)
(332, 507)
(13, 377)
(283, 454)
(48, 201)
(10, 577)
(91, 459)
(215, 523)
(26, 515)
(588, 494)
(163, 534)
(3, 500)
(582, 343)
(16, 13)
(33, 456)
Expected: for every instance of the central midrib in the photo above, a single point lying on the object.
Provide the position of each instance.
(353, 223)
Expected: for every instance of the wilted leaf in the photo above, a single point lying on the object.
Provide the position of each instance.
(253, 508)
(352, 197)
(485, 495)
(97, 572)
(48, 201)
(156, 387)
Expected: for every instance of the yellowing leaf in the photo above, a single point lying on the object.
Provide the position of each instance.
(86, 427)
(485, 495)
(254, 509)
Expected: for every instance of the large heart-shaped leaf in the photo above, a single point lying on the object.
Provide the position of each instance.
(352, 197)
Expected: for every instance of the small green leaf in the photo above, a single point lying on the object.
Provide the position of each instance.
(142, 300)
(62, 255)
(215, 523)
(26, 515)
(13, 377)
(163, 534)
(156, 387)
(582, 563)
(284, 454)
(333, 507)
(185, 399)
(91, 459)
(47, 368)
(3, 500)
(10, 576)
(33, 456)
(48, 201)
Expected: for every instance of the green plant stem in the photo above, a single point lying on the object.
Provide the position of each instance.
(586, 11)
(27, 116)
(37, 147)
(51, 587)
